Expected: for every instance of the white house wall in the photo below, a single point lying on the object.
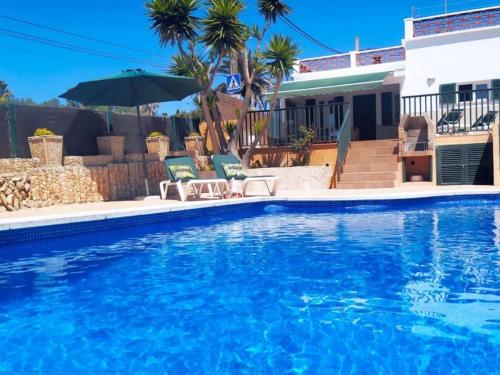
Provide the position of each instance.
(459, 57)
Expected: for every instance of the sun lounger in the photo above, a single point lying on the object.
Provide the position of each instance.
(485, 121)
(449, 120)
(182, 173)
(228, 167)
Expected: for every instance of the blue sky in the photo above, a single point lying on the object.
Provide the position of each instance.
(42, 72)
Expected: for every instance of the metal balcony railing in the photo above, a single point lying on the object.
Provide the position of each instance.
(325, 120)
(457, 111)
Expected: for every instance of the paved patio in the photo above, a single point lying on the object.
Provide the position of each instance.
(102, 210)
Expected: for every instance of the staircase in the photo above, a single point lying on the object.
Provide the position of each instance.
(370, 165)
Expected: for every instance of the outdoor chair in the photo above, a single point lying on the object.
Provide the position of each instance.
(449, 120)
(228, 167)
(485, 121)
(182, 173)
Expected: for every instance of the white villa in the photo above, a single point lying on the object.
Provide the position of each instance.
(427, 109)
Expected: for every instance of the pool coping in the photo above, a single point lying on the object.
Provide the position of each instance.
(11, 224)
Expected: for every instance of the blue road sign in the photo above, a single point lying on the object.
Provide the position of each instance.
(233, 83)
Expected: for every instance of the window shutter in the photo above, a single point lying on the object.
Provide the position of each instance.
(495, 84)
(478, 164)
(445, 90)
(450, 165)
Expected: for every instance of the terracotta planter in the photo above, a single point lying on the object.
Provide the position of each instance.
(47, 148)
(158, 145)
(195, 144)
(112, 145)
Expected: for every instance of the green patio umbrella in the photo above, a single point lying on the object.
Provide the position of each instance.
(133, 88)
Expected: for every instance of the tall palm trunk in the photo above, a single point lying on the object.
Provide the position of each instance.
(245, 161)
(234, 142)
(210, 124)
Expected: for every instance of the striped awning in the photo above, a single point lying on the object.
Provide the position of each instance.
(332, 85)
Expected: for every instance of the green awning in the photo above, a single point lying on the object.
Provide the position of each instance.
(332, 85)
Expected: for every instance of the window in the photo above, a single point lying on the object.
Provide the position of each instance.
(447, 93)
(387, 109)
(482, 91)
(465, 93)
(495, 85)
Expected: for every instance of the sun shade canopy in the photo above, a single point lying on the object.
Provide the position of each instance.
(132, 88)
(332, 85)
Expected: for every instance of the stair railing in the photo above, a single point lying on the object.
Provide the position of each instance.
(344, 139)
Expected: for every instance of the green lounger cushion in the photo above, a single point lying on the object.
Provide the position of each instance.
(234, 171)
(182, 172)
(180, 161)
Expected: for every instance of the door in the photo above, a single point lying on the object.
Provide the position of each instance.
(365, 116)
(470, 164)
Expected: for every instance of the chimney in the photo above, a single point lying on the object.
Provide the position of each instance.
(356, 43)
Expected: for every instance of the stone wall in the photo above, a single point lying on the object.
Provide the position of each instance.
(14, 191)
(18, 165)
(82, 179)
(293, 178)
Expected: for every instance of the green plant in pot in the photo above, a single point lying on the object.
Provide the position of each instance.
(301, 147)
(46, 146)
(195, 143)
(158, 143)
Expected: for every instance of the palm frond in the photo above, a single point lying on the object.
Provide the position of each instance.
(272, 9)
(174, 20)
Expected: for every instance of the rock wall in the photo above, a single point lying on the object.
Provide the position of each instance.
(18, 165)
(14, 191)
(301, 179)
(82, 179)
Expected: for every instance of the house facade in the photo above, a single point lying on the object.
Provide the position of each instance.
(440, 88)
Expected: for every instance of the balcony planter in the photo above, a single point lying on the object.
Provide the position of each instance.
(158, 145)
(196, 144)
(48, 148)
(112, 145)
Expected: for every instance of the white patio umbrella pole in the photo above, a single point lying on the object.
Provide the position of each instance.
(144, 166)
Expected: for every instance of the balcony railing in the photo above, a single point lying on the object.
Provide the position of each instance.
(457, 111)
(457, 22)
(380, 56)
(325, 63)
(325, 120)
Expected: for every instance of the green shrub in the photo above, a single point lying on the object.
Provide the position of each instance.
(229, 127)
(156, 134)
(42, 131)
(301, 147)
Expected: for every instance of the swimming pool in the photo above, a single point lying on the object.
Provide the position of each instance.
(314, 288)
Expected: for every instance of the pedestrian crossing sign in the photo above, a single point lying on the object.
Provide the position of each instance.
(233, 83)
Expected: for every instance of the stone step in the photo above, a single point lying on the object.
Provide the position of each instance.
(378, 159)
(368, 177)
(386, 143)
(370, 167)
(366, 185)
(379, 151)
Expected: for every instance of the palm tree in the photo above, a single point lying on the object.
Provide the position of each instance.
(279, 57)
(261, 84)
(271, 10)
(221, 31)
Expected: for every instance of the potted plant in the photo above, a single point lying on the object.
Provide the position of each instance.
(195, 143)
(46, 146)
(111, 144)
(158, 143)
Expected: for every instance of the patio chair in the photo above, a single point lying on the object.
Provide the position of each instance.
(182, 173)
(452, 118)
(228, 167)
(485, 121)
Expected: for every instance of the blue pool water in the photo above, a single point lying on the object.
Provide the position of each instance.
(268, 289)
